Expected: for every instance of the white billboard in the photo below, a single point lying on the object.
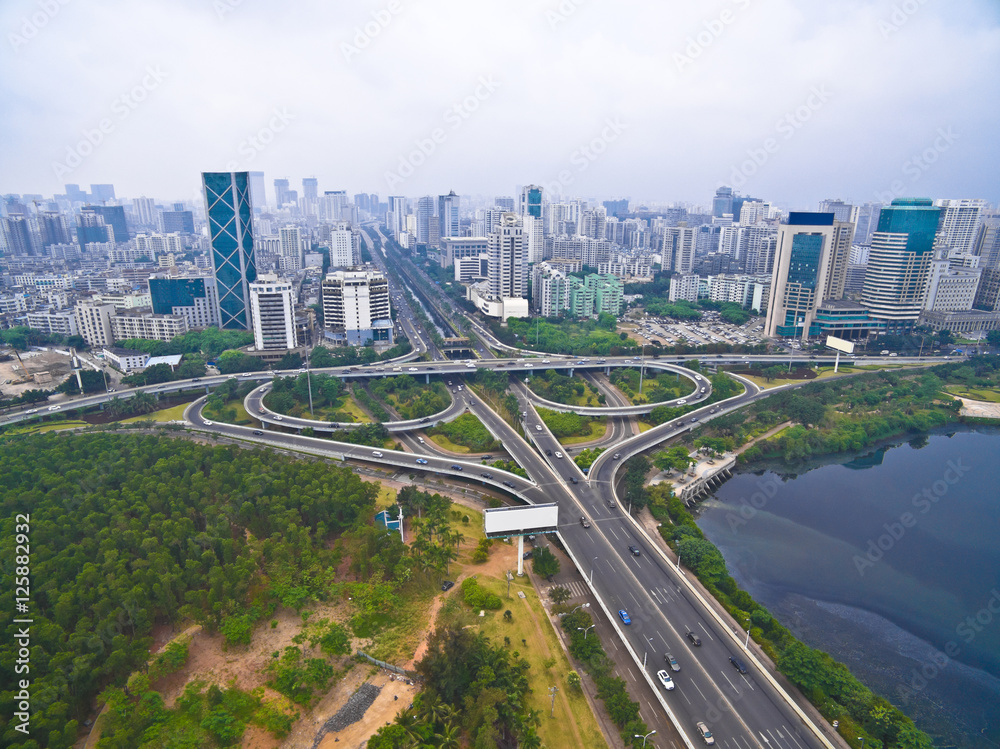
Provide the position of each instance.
(840, 344)
(501, 522)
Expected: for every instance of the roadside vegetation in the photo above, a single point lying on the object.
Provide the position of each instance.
(558, 335)
(411, 398)
(468, 431)
(290, 396)
(567, 425)
(560, 388)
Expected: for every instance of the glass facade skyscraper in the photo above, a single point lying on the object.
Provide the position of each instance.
(229, 210)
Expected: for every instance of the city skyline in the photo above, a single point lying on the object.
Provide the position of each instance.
(867, 102)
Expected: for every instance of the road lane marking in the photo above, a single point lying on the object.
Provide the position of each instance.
(709, 636)
(792, 737)
(730, 683)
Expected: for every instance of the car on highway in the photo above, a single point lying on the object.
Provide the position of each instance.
(634, 550)
(529, 365)
(447, 585)
(527, 555)
(421, 461)
(574, 479)
(255, 431)
(623, 615)
(487, 475)
(694, 419)
(538, 427)
(412, 369)
(665, 680)
(584, 522)
(672, 662)
(695, 640)
(738, 664)
(548, 453)
(616, 456)
(706, 735)
(278, 417)
(55, 408)
(508, 484)
(32, 411)
(681, 402)
(246, 374)
(376, 454)
(208, 423)
(558, 454)
(456, 467)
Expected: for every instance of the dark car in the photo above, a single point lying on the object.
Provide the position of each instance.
(738, 664)
(527, 555)
(257, 432)
(456, 468)
(486, 475)
(584, 522)
(508, 484)
(672, 662)
(447, 585)
(548, 452)
(574, 479)
(695, 640)
(635, 550)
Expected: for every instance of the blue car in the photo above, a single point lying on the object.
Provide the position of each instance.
(421, 461)
(623, 615)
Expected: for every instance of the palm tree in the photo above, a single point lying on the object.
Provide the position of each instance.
(447, 737)
(457, 538)
(530, 741)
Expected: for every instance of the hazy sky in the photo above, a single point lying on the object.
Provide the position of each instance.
(656, 101)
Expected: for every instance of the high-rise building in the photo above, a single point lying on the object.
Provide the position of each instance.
(960, 223)
(94, 323)
(753, 212)
(144, 212)
(507, 260)
(534, 239)
(257, 195)
(811, 250)
(617, 208)
(54, 228)
(281, 192)
(356, 308)
(177, 221)
(290, 238)
(333, 206)
(343, 248)
(900, 262)
(75, 195)
(866, 222)
(229, 211)
(722, 203)
(396, 216)
(102, 193)
(843, 212)
(114, 216)
(448, 207)
(679, 244)
(505, 204)
(425, 217)
(530, 201)
(194, 299)
(18, 237)
(988, 241)
(273, 313)
(310, 188)
(91, 228)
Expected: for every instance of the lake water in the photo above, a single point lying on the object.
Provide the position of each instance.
(890, 562)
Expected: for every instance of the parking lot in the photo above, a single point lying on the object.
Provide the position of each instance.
(709, 330)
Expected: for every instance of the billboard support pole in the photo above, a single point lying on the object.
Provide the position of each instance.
(836, 365)
(520, 556)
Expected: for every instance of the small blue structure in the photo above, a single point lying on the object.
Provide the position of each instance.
(383, 519)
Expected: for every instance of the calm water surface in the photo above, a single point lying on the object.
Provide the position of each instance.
(889, 561)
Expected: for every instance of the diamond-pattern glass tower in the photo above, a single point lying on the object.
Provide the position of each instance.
(229, 210)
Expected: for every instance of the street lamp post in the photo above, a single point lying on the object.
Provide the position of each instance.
(746, 645)
(592, 571)
(309, 383)
(587, 630)
(639, 736)
(642, 367)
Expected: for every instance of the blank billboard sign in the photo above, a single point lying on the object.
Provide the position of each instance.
(501, 522)
(840, 344)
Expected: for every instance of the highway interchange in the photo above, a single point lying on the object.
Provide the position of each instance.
(744, 711)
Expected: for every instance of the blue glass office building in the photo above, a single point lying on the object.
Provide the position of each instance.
(229, 210)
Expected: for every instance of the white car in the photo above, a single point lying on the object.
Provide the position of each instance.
(208, 423)
(412, 369)
(558, 454)
(278, 417)
(54, 408)
(665, 680)
(376, 454)
(32, 411)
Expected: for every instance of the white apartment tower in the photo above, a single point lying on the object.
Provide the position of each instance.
(356, 307)
(960, 223)
(507, 258)
(273, 314)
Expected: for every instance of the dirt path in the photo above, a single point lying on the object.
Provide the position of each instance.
(766, 435)
(979, 409)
